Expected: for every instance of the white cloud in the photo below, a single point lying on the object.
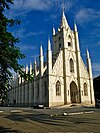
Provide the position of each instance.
(31, 4)
(27, 47)
(86, 15)
(96, 32)
(69, 4)
(96, 69)
(19, 33)
(22, 7)
(34, 33)
(98, 43)
(37, 4)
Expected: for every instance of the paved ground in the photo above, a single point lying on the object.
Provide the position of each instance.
(62, 120)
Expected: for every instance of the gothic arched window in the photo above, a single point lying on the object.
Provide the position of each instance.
(58, 88)
(71, 65)
(85, 89)
(69, 41)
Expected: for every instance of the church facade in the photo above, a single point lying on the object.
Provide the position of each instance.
(63, 79)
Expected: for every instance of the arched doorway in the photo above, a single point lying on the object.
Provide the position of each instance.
(73, 92)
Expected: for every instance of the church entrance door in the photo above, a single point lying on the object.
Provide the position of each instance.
(73, 92)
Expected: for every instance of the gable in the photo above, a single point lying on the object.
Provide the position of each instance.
(84, 72)
(58, 65)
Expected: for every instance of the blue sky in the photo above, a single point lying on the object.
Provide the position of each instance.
(39, 16)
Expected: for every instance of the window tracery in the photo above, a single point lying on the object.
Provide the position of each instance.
(69, 41)
(85, 90)
(58, 88)
(71, 65)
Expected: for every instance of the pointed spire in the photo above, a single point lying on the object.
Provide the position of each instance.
(26, 69)
(35, 62)
(35, 66)
(53, 31)
(64, 22)
(89, 66)
(41, 50)
(87, 53)
(30, 68)
(49, 57)
(49, 44)
(75, 27)
(41, 61)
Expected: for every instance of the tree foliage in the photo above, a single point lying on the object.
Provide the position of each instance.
(9, 53)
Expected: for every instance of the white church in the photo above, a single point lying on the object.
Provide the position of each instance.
(62, 80)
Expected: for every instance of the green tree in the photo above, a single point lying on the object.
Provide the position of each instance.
(9, 53)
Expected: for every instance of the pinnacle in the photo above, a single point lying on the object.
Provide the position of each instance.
(64, 22)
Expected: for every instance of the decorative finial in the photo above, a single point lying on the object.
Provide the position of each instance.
(26, 69)
(53, 30)
(49, 44)
(75, 26)
(87, 52)
(30, 68)
(41, 50)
